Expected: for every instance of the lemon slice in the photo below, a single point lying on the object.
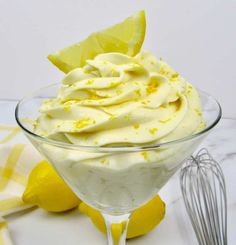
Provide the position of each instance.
(126, 37)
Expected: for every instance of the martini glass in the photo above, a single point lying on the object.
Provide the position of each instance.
(114, 180)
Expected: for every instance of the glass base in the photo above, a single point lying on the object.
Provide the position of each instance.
(117, 226)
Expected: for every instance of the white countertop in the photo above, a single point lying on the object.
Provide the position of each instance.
(38, 227)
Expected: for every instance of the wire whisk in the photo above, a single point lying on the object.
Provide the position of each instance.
(204, 193)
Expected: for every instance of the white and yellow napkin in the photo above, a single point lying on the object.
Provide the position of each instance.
(17, 158)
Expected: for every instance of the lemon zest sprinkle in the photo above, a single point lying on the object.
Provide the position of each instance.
(112, 84)
(175, 75)
(94, 96)
(104, 161)
(84, 123)
(128, 116)
(162, 71)
(189, 89)
(145, 155)
(67, 108)
(165, 120)
(113, 71)
(119, 91)
(153, 130)
(152, 87)
(198, 112)
(67, 105)
(138, 92)
(90, 81)
(144, 102)
(112, 117)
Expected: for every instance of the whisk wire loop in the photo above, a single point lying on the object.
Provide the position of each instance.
(203, 188)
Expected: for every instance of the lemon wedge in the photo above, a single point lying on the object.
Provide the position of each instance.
(126, 37)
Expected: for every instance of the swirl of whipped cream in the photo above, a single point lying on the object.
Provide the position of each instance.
(118, 100)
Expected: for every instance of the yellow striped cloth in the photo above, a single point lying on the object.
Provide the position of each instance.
(17, 158)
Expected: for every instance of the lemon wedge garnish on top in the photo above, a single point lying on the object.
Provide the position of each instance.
(126, 37)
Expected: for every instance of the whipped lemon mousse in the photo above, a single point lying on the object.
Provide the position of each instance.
(119, 100)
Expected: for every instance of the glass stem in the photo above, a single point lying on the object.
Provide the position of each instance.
(117, 226)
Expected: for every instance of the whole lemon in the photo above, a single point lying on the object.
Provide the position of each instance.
(46, 189)
(142, 220)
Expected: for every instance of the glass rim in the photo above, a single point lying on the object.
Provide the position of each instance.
(115, 148)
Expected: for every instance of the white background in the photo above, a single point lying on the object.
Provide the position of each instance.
(196, 37)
